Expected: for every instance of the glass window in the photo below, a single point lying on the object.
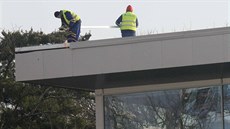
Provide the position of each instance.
(195, 108)
(227, 106)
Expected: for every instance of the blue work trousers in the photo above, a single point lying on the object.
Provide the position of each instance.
(75, 31)
(128, 33)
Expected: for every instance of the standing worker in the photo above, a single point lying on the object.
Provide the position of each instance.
(128, 22)
(71, 22)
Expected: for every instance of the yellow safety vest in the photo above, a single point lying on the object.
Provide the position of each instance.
(75, 16)
(128, 21)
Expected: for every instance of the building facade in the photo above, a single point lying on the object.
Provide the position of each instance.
(175, 80)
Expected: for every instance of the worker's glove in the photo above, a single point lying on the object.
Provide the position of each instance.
(62, 28)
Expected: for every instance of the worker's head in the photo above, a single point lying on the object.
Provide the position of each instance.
(57, 14)
(129, 8)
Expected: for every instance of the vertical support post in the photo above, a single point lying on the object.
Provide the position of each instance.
(99, 109)
(222, 96)
(222, 103)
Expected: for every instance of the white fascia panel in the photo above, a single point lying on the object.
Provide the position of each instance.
(57, 63)
(177, 52)
(87, 61)
(208, 49)
(29, 66)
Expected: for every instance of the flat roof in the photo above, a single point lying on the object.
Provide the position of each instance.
(128, 40)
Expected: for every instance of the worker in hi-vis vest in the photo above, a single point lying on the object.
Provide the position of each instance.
(71, 23)
(128, 22)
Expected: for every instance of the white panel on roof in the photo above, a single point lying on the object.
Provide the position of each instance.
(146, 55)
(177, 52)
(208, 49)
(58, 63)
(227, 44)
(87, 61)
(29, 66)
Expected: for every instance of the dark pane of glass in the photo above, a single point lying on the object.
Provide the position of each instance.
(173, 109)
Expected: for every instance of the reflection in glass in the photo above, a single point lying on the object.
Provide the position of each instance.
(227, 106)
(173, 109)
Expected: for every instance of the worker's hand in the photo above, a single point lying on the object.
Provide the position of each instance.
(62, 28)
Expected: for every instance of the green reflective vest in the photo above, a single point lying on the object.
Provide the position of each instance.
(128, 21)
(75, 17)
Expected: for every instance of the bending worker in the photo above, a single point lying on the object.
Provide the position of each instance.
(128, 22)
(70, 22)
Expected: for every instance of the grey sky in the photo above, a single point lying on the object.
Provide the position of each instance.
(153, 15)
